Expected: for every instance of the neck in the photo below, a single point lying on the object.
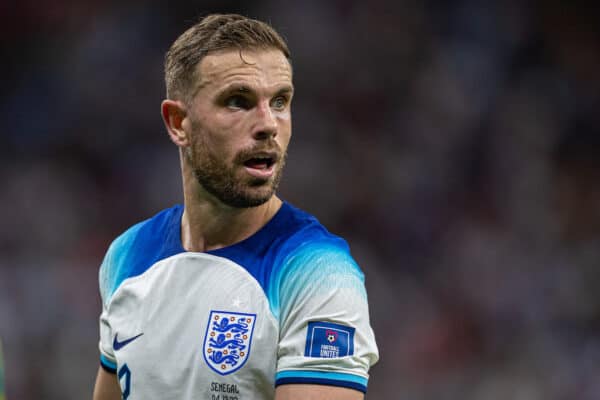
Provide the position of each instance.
(208, 224)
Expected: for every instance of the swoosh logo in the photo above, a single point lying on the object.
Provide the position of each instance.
(119, 345)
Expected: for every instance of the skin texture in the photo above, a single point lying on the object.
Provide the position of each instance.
(241, 109)
(316, 392)
(107, 386)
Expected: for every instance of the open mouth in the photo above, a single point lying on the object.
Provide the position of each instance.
(260, 160)
(261, 163)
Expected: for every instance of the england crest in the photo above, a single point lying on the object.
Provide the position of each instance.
(227, 340)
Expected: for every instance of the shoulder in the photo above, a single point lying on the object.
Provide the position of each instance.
(312, 246)
(138, 248)
(311, 259)
(319, 261)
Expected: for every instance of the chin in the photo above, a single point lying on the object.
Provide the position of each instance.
(238, 192)
(246, 201)
(257, 199)
(246, 197)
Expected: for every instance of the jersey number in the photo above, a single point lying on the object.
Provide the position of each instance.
(125, 373)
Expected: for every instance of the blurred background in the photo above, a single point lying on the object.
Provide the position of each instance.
(455, 144)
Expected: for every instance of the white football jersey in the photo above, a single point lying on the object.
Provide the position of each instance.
(287, 305)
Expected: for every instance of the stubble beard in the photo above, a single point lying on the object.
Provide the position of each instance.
(220, 180)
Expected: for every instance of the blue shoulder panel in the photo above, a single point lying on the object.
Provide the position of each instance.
(314, 261)
(292, 249)
(281, 253)
(139, 248)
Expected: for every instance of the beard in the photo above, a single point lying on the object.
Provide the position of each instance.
(222, 180)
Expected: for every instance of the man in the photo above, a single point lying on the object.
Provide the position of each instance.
(236, 294)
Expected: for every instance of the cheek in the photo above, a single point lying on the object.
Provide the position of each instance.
(227, 134)
(285, 130)
(219, 150)
(285, 117)
(214, 141)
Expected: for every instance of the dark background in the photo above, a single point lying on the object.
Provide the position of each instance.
(455, 144)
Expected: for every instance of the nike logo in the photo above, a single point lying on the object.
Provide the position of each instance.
(119, 345)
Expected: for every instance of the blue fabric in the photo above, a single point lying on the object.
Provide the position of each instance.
(290, 240)
(108, 365)
(292, 256)
(322, 378)
(139, 248)
(336, 339)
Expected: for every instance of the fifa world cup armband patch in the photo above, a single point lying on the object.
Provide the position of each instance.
(329, 340)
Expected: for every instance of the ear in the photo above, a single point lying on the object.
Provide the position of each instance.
(174, 113)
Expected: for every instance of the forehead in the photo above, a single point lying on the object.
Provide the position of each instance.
(262, 69)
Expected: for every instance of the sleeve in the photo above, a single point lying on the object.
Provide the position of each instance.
(106, 277)
(325, 334)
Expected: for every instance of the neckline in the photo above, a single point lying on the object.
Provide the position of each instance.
(272, 224)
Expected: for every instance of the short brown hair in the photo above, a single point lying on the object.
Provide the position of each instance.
(213, 33)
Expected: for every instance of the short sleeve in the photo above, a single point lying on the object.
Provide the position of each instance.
(130, 255)
(107, 357)
(325, 334)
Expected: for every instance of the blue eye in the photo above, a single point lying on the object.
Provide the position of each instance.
(279, 103)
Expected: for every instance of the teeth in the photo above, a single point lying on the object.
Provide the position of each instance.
(260, 162)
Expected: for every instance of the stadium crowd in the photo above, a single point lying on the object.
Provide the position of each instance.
(455, 144)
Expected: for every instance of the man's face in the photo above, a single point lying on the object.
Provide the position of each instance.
(239, 124)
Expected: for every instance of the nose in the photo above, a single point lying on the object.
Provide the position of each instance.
(266, 122)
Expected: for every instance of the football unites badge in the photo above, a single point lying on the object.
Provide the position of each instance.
(227, 340)
(329, 340)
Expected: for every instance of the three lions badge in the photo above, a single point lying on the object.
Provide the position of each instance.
(227, 340)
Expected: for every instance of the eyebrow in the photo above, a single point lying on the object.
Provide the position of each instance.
(236, 88)
(286, 89)
(243, 89)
